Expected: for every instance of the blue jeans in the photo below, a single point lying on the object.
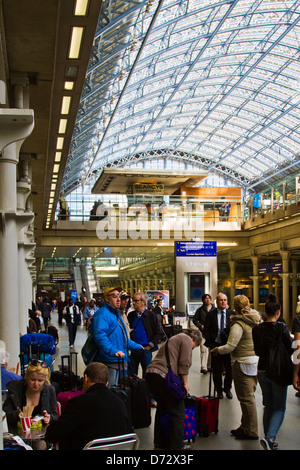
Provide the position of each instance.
(274, 401)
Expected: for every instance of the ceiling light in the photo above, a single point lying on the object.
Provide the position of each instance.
(65, 107)
(57, 157)
(59, 143)
(68, 85)
(81, 7)
(76, 37)
(62, 126)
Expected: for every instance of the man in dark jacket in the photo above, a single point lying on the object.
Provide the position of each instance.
(199, 321)
(146, 331)
(46, 310)
(98, 413)
(216, 332)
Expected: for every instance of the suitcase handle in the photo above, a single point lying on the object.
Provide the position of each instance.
(210, 382)
(121, 362)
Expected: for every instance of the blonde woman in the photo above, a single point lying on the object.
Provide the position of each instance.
(244, 364)
(33, 390)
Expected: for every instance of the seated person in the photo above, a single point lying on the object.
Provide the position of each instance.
(34, 390)
(98, 413)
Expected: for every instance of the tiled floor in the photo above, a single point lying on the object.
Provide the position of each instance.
(229, 413)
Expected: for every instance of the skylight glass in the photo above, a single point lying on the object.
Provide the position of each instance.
(217, 80)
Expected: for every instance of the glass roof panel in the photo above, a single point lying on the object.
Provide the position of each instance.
(215, 82)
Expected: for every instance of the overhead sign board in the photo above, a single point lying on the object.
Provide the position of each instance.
(196, 248)
(61, 277)
(140, 188)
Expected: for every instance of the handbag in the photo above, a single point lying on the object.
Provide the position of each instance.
(174, 383)
(280, 369)
(89, 350)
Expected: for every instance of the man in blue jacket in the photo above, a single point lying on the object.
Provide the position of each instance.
(110, 335)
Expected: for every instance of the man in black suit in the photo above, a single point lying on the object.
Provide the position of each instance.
(216, 331)
(99, 412)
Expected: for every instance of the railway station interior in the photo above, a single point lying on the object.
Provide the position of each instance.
(129, 128)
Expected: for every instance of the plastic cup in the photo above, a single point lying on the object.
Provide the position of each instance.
(25, 423)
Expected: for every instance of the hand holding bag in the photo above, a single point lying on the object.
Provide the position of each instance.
(174, 383)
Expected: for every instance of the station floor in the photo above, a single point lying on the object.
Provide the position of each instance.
(229, 412)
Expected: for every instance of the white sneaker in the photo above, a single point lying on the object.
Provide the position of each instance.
(267, 444)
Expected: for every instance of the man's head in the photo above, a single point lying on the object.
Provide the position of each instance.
(124, 300)
(139, 301)
(221, 301)
(112, 296)
(95, 373)
(206, 299)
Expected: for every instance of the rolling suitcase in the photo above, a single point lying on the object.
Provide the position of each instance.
(177, 328)
(208, 413)
(65, 377)
(123, 391)
(190, 418)
(140, 401)
(70, 383)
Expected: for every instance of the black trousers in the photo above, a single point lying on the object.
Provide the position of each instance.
(169, 416)
(221, 363)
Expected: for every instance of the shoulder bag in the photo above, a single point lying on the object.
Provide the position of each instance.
(174, 383)
(89, 350)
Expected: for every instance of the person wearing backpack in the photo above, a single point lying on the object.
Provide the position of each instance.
(273, 345)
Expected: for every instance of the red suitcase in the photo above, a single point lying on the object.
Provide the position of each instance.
(64, 397)
(208, 413)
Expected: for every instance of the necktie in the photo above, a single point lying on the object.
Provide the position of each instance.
(222, 321)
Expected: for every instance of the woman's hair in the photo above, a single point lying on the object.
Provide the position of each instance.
(39, 370)
(194, 334)
(272, 305)
(241, 304)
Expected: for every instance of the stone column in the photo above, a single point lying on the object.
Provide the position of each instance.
(25, 242)
(232, 266)
(285, 276)
(294, 264)
(255, 279)
(15, 126)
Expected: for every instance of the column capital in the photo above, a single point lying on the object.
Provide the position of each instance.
(15, 125)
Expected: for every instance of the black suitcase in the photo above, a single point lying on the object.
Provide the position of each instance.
(140, 401)
(177, 328)
(67, 376)
(124, 392)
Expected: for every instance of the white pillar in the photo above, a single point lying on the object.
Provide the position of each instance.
(9, 305)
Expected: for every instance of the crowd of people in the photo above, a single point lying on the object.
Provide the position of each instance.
(234, 345)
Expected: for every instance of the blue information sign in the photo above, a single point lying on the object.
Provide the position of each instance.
(196, 248)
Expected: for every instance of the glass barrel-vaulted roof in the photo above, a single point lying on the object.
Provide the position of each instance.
(213, 83)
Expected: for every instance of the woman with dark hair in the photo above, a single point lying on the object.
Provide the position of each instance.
(265, 336)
